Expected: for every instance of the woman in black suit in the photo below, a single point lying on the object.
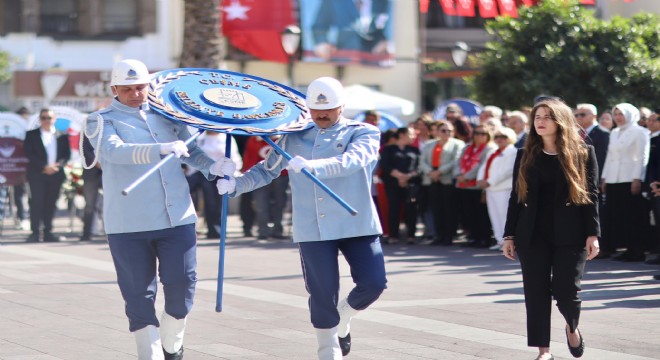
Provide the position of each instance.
(552, 221)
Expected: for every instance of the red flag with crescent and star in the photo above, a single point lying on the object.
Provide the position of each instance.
(254, 26)
(465, 8)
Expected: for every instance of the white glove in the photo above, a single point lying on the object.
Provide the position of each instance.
(226, 186)
(178, 148)
(223, 167)
(298, 163)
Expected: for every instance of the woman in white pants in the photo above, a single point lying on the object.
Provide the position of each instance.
(495, 177)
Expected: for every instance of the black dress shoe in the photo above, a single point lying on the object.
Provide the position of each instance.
(85, 238)
(176, 356)
(32, 238)
(50, 238)
(653, 261)
(578, 350)
(345, 344)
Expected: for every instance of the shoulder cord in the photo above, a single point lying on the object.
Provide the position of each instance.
(282, 144)
(97, 148)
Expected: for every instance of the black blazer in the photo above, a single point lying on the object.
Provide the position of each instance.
(35, 152)
(601, 141)
(572, 223)
(653, 168)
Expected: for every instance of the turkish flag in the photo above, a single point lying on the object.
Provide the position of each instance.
(424, 6)
(465, 8)
(487, 8)
(255, 26)
(448, 7)
(508, 7)
(588, 2)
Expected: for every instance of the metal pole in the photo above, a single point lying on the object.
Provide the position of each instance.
(318, 182)
(162, 162)
(223, 236)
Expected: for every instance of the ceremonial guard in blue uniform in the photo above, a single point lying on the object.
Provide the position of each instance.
(342, 153)
(153, 228)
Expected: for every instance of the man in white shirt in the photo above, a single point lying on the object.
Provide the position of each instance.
(47, 153)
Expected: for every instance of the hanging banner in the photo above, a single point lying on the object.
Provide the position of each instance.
(508, 7)
(448, 7)
(465, 8)
(487, 8)
(348, 32)
(424, 6)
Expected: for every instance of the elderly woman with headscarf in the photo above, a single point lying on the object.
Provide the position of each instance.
(495, 177)
(625, 164)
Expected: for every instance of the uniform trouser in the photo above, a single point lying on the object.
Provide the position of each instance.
(551, 271)
(137, 256)
(91, 189)
(269, 203)
(44, 191)
(321, 273)
(497, 203)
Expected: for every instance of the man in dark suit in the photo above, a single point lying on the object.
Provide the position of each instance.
(586, 117)
(652, 180)
(47, 153)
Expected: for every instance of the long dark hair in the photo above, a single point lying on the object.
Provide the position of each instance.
(572, 153)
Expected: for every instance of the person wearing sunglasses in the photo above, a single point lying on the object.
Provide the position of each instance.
(47, 152)
(472, 209)
(438, 159)
(587, 119)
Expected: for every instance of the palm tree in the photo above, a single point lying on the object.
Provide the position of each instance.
(202, 38)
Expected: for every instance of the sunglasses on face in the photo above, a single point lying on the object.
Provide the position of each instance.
(45, 117)
(500, 136)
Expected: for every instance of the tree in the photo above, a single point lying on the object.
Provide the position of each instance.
(202, 40)
(562, 49)
(4, 66)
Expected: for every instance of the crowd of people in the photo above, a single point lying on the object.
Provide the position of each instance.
(450, 186)
(582, 187)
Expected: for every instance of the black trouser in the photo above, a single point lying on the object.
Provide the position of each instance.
(627, 219)
(44, 191)
(474, 215)
(19, 193)
(398, 199)
(551, 272)
(91, 188)
(443, 205)
(247, 212)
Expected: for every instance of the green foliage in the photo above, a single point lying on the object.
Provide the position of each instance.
(4, 66)
(562, 49)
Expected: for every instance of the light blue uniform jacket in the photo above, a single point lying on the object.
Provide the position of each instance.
(343, 157)
(129, 147)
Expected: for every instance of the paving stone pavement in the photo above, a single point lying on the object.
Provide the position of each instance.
(61, 301)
